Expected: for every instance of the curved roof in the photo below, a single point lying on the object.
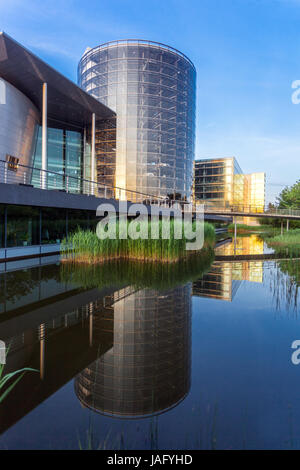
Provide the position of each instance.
(67, 102)
(140, 42)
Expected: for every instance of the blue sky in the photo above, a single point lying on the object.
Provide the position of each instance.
(246, 52)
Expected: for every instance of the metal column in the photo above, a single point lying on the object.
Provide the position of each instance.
(234, 236)
(44, 138)
(93, 158)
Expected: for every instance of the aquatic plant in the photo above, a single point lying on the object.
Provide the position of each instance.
(5, 380)
(84, 246)
(290, 239)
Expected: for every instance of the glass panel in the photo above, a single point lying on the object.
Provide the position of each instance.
(78, 219)
(1, 226)
(73, 159)
(53, 225)
(22, 226)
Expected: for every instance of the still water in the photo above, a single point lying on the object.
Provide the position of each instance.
(201, 364)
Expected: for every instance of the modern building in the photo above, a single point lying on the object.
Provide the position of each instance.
(151, 87)
(221, 183)
(47, 148)
(45, 118)
(61, 145)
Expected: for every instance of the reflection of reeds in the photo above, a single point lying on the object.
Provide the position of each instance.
(284, 284)
(138, 274)
(85, 246)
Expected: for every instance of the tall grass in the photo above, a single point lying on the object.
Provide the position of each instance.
(290, 238)
(84, 246)
(288, 243)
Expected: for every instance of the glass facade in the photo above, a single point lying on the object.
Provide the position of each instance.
(152, 89)
(2, 226)
(65, 156)
(221, 183)
(22, 227)
(27, 225)
(54, 225)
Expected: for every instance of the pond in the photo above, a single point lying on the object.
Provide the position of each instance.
(186, 362)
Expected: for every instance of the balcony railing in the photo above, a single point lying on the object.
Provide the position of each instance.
(11, 173)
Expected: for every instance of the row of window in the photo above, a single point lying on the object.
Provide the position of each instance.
(105, 76)
(25, 225)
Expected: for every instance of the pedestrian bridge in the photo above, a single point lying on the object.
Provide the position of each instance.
(252, 211)
(17, 174)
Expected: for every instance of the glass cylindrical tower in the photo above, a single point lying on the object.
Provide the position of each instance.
(152, 88)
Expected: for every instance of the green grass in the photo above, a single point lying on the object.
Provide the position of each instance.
(243, 228)
(84, 246)
(289, 240)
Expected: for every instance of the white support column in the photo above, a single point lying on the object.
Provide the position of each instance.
(44, 138)
(42, 350)
(234, 236)
(93, 157)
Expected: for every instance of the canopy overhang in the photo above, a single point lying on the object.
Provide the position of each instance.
(67, 103)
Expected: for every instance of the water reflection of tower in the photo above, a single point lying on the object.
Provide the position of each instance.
(147, 371)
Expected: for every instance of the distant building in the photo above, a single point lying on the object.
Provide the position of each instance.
(221, 183)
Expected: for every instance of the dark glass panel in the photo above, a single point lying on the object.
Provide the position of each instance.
(23, 224)
(53, 225)
(2, 226)
(78, 219)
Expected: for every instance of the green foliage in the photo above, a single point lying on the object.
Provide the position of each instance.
(85, 246)
(289, 240)
(250, 228)
(290, 197)
(5, 380)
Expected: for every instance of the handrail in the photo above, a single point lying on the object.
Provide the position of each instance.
(48, 179)
(66, 180)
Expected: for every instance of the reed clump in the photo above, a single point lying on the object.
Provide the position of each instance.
(84, 246)
(287, 239)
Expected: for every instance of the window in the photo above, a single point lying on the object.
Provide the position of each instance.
(22, 226)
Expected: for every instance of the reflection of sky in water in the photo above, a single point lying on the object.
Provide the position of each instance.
(244, 387)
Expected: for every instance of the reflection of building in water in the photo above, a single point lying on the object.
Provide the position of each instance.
(249, 245)
(147, 370)
(58, 335)
(251, 271)
(224, 278)
(217, 283)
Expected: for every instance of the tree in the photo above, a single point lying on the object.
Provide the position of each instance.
(290, 197)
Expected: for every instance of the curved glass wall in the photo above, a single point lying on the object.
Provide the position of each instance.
(147, 370)
(152, 89)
